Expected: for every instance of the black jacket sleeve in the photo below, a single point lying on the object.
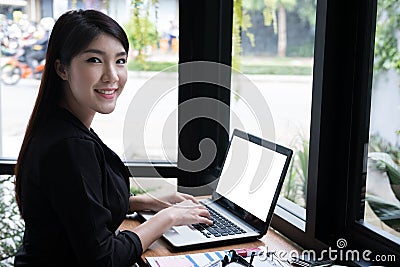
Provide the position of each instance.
(76, 182)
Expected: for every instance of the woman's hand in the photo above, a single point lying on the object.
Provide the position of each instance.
(183, 213)
(186, 212)
(149, 202)
(168, 201)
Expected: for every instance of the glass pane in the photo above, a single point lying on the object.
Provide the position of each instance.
(152, 29)
(382, 205)
(273, 47)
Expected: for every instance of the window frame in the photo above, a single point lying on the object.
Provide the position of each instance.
(303, 233)
(359, 232)
(340, 130)
(199, 43)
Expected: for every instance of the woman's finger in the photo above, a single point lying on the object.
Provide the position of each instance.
(187, 196)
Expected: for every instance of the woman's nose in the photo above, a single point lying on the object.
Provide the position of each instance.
(110, 74)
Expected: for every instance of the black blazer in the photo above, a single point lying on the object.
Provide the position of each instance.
(75, 195)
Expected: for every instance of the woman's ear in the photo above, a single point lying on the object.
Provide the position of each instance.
(61, 70)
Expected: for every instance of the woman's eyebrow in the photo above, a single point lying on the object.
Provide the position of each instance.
(97, 51)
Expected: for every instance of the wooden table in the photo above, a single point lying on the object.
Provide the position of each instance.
(272, 240)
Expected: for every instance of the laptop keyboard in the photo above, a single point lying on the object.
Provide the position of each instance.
(221, 226)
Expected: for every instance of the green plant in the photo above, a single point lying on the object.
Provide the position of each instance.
(11, 224)
(241, 24)
(141, 31)
(304, 50)
(378, 144)
(276, 69)
(296, 180)
(387, 55)
(274, 14)
(264, 69)
(385, 163)
(387, 159)
(386, 211)
(302, 161)
(153, 66)
(289, 189)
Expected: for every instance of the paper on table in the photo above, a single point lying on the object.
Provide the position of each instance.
(170, 262)
(189, 260)
(201, 260)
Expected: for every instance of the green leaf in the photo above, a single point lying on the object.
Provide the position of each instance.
(387, 55)
(386, 211)
(386, 163)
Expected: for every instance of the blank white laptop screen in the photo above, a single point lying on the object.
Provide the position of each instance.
(250, 178)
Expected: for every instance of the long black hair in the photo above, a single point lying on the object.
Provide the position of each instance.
(71, 34)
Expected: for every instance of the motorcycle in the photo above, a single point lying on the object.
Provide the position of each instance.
(16, 68)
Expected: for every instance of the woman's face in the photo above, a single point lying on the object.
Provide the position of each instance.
(95, 78)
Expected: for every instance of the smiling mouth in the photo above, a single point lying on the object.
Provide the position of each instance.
(105, 92)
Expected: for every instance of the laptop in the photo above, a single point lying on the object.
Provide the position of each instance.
(244, 198)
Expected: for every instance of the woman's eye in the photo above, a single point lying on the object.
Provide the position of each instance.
(94, 60)
(121, 61)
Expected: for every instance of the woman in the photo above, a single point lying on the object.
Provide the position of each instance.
(72, 190)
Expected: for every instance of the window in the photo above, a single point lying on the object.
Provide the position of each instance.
(382, 198)
(273, 47)
(345, 35)
(158, 51)
(145, 121)
(339, 136)
(16, 106)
